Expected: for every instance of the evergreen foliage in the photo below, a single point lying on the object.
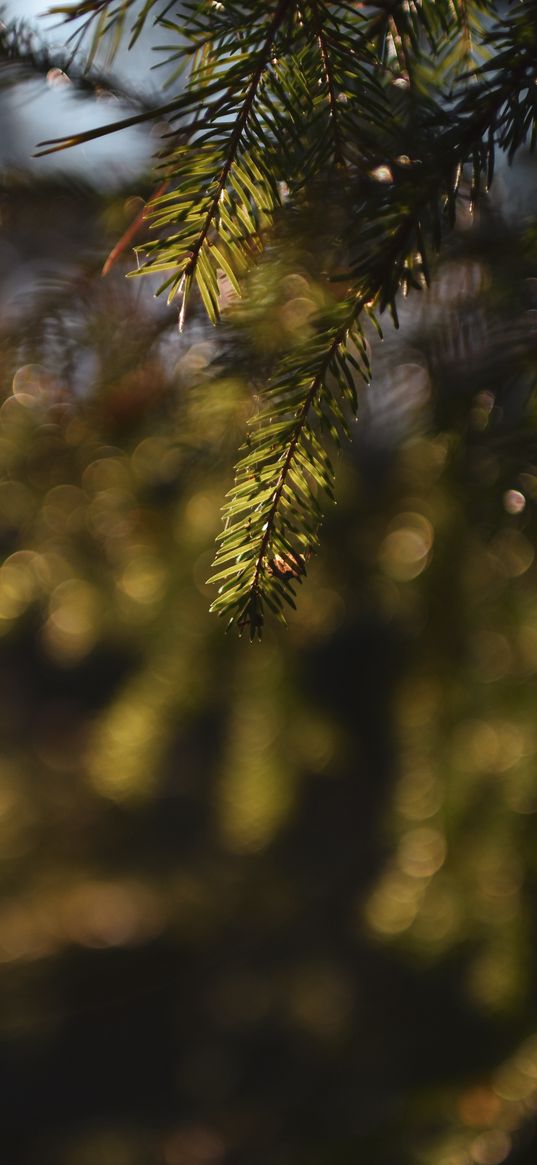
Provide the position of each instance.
(389, 112)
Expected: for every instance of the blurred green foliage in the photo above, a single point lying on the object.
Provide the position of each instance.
(277, 903)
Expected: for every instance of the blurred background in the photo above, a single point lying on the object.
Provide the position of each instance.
(271, 904)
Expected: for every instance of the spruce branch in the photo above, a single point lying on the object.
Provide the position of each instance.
(304, 96)
(104, 17)
(210, 213)
(329, 75)
(393, 231)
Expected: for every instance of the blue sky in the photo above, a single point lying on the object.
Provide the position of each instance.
(36, 110)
